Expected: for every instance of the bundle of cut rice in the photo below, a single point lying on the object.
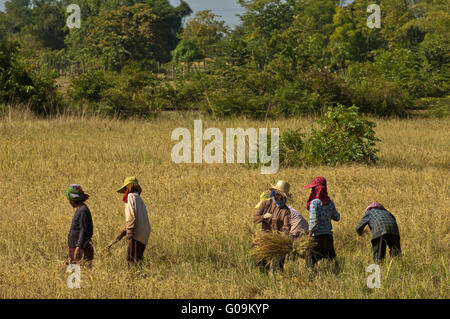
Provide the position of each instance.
(301, 246)
(268, 246)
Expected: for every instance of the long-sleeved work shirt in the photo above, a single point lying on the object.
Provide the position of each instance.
(320, 217)
(381, 222)
(81, 229)
(136, 218)
(279, 221)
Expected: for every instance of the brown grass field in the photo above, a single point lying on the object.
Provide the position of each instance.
(201, 214)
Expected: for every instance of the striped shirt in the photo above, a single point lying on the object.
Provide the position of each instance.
(298, 223)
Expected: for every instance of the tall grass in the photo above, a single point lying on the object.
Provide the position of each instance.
(201, 215)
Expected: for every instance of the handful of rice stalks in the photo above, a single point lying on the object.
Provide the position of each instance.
(302, 245)
(268, 246)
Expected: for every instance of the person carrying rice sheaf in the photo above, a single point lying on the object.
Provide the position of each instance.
(137, 226)
(82, 228)
(321, 211)
(384, 228)
(299, 225)
(274, 215)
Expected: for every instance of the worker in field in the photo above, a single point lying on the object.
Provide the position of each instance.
(299, 225)
(81, 229)
(321, 212)
(274, 215)
(384, 228)
(137, 225)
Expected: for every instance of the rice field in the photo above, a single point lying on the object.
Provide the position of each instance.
(201, 214)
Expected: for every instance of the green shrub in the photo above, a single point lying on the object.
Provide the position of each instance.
(18, 85)
(437, 107)
(129, 93)
(374, 93)
(239, 102)
(291, 148)
(89, 86)
(344, 136)
(186, 51)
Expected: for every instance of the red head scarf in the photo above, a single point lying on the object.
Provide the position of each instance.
(319, 190)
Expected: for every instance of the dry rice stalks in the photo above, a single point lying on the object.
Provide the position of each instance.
(268, 246)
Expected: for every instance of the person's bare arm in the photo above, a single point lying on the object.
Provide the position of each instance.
(122, 233)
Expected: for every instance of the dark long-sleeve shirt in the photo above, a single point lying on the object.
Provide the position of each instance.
(82, 228)
(380, 222)
(279, 221)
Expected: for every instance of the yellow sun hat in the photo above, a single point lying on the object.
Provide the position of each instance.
(128, 180)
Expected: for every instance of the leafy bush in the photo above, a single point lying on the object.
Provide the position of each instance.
(89, 86)
(131, 92)
(291, 148)
(186, 51)
(437, 107)
(344, 136)
(225, 103)
(18, 85)
(371, 89)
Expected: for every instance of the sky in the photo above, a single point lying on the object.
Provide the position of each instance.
(227, 9)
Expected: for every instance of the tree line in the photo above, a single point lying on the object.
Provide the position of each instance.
(285, 58)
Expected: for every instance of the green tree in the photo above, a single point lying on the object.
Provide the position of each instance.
(205, 30)
(352, 40)
(126, 34)
(397, 29)
(18, 85)
(187, 51)
(81, 42)
(18, 15)
(48, 25)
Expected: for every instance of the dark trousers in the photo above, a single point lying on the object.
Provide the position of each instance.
(135, 250)
(323, 247)
(379, 246)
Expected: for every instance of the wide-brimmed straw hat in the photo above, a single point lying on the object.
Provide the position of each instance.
(282, 188)
(128, 180)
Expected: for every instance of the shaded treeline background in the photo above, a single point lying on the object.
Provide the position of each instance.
(293, 57)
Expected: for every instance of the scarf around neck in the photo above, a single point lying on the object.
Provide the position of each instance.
(375, 205)
(280, 204)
